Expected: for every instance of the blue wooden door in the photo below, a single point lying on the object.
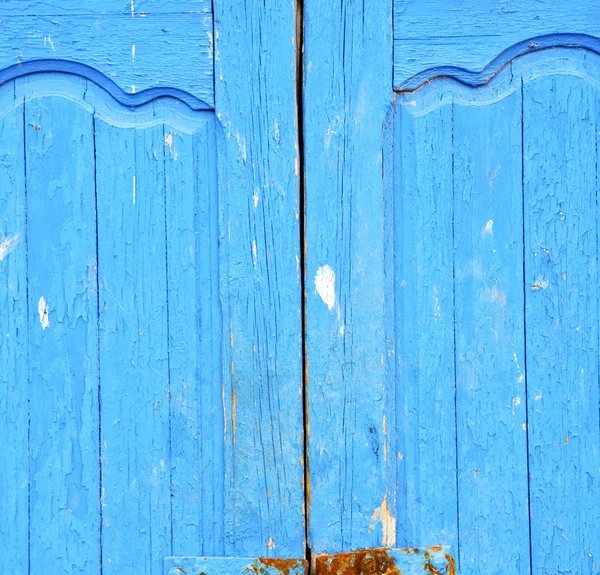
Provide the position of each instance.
(150, 349)
(451, 174)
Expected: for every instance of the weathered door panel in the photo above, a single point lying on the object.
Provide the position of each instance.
(150, 297)
(452, 325)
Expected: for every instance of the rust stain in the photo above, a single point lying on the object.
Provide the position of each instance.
(366, 562)
(283, 565)
(381, 562)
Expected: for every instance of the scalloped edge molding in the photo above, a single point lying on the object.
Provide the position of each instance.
(132, 101)
(476, 79)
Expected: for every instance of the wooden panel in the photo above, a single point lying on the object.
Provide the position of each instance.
(135, 53)
(194, 324)
(430, 35)
(63, 337)
(134, 382)
(491, 402)
(14, 391)
(128, 7)
(561, 275)
(424, 322)
(350, 390)
(259, 259)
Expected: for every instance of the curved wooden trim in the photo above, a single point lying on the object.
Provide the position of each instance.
(118, 94)
(475, 79)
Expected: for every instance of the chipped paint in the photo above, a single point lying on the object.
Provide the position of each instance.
(325, 285)
(43, 313)
(383, 514)
(488, 229)
(7, 245)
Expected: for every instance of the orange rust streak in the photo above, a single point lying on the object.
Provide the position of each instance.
(283, 565)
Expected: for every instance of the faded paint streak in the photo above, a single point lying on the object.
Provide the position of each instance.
(384, 515)
(8, 245)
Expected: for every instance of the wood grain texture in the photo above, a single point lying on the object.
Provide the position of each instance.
(136, 51)
(491, 403)
(346, 100)
(468, 34)
(260, 277)
(14, 394)
(561, 313)
(424, 325)
(165, 299)
(63, 356)
(134, 382)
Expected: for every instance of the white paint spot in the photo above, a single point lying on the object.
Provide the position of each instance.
(48, 41)
(254, 252)
(7, 245)
(524, 426)
(43, 311)
(132, 8)
(134, 190)
(296, 166)
(384, 515)
(132, 89)
(325, 285)
(342, 330)
(255, 198)
(488, 229)
(241, 142)
(540, 283)
(516, 401)
(270, 543)
(133, 52)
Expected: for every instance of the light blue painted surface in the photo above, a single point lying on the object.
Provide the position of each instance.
(424, 320)
(160, 399)
(231, 566)
(351, 421)
(519, 158)
(430, 35)
(477, 173)
(137, 44)
(560, 181)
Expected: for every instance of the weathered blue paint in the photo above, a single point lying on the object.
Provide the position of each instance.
(151, 324)
(489, 332)
(137, 44)
(259, 216)
(351, 417)
(487, 196)
(460, 37)
(14, 393)
(233, 566)
(424, 322)
(560, 183)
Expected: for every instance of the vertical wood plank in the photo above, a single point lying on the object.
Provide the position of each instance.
(424, 315)
(134, 384)
(14, 385)
(255, 64)
(490, 356)
(194, 338)
(346, 100)
(63, 359)
(561, 219)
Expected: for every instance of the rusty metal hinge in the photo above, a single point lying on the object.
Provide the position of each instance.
(435, 560)
(234, 566)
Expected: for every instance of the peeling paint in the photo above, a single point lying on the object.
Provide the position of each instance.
(384, 515)
(325, 285)
(7, 245)
(43, 311)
